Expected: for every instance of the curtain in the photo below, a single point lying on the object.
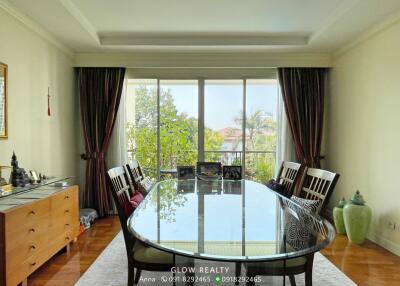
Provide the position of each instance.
(99, 92)
(284, 143)
(303, 92)
(117, 154)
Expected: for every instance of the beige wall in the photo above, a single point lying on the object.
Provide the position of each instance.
(47, 144)
(364, 129)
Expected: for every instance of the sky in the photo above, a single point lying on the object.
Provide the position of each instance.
(224, 102)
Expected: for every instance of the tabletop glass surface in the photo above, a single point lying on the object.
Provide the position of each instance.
(227, 220)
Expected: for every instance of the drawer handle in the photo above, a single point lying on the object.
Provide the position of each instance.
(67, 224)
(66, 197)
(32, 212)
(66, 211)
(33, 264)
(33, 247)
(32, 230)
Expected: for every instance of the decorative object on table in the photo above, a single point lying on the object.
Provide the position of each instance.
(19, 178)
(209, 170)
(48, 102)
(357, 218)
(3, 181)
(185, 172)
(61, 184)
(338, 217)
(3, 101)
(232, 172)
(34, 177)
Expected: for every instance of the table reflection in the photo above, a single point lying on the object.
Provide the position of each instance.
(218, 218)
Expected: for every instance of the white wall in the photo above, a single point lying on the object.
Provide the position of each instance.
(364, 129)
(46, 144)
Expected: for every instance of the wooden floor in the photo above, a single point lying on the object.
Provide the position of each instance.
(365, 265)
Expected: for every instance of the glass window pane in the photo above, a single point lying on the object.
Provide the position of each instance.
(223, 101)
(141, 115)
(261, 110)
(178, 124)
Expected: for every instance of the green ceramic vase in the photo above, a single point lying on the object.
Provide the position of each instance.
(357, 218)
(338, 217)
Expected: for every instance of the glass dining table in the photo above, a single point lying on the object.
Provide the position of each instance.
(231, 221)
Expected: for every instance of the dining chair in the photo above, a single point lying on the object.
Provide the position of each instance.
(317, 184)
(209, 170)
(298, 228)
(137, 178)
(185, 172)
(232, 172)
(140, 256)
(289, 174)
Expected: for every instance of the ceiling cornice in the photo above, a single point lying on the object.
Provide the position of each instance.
(82, 20)
(34, 27)
(374, 30)
(202, 60)
(334, 17)
(203, 39)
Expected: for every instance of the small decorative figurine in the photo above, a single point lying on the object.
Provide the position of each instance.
(18, 176)
(338, 217)
(357, 217)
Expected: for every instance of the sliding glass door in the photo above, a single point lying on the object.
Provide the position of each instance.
(223, 108)
(180, 122)
(141, 123)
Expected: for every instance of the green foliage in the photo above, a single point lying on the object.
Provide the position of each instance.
(179, 137)
(178, 132)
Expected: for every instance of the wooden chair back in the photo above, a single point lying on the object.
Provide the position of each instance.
(232, 172)
(135, 172)
(288, 175)
(318, 184)
(121, 192)
(186, 172)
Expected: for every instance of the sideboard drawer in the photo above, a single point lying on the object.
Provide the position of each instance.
(32, 233)
(19, 272)
(27, 215)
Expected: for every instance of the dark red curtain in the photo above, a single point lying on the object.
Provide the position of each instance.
(303, 92)
(99, 92)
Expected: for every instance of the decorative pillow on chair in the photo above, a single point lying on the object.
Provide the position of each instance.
(298, 233)
(136, 199)
(277, 187)
(133, 203)
(311, 205)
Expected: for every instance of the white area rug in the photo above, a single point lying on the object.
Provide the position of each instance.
(110, 269)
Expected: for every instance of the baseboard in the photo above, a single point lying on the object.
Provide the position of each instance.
(385, 243)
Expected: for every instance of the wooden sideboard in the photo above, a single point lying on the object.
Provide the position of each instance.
(33, 231)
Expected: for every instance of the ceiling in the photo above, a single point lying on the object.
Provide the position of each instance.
(216, 25)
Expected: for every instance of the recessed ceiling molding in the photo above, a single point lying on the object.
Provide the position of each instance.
(372, 31)
(203, 39)
(31, 25)
(82, 20)
(337, 14)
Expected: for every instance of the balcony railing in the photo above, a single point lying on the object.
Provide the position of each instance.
(260, 165)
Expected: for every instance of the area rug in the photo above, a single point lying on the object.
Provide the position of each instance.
(110, 269)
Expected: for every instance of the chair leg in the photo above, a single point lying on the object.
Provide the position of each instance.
(292, 280)
(131, 274)
(250, 281)
(137, 276)
(238, 270)
(308, 276)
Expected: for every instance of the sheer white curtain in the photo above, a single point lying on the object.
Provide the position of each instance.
(284, 144)
(117, 153)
